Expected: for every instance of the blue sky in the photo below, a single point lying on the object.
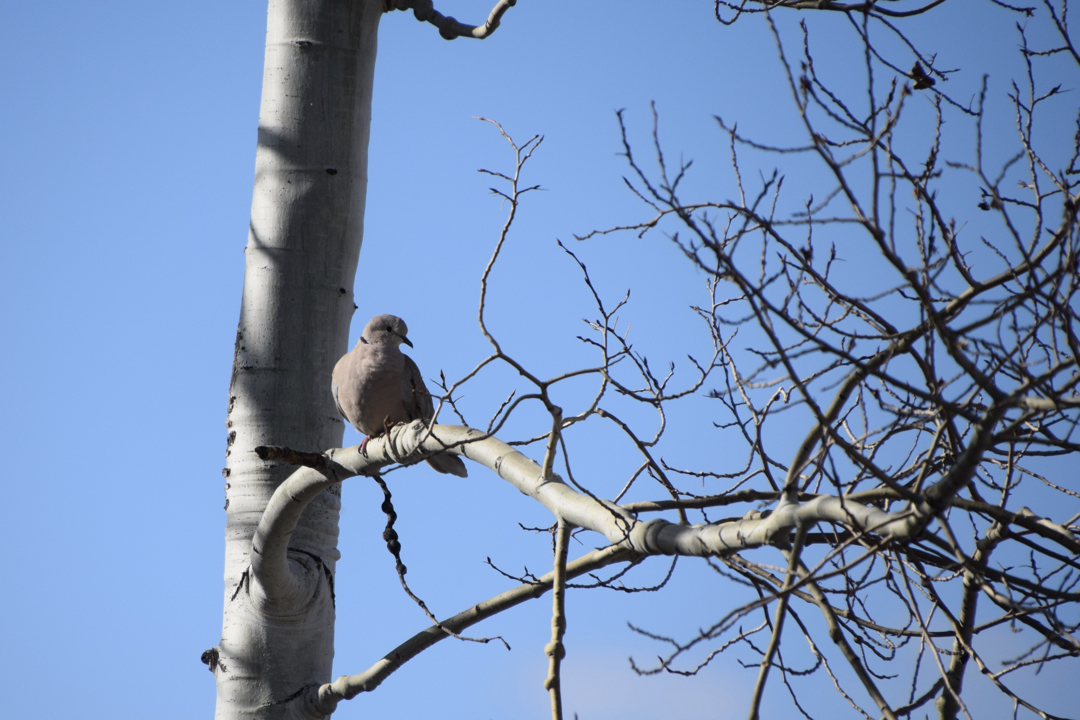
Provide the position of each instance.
(127, 148)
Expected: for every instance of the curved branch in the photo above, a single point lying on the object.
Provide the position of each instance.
(280, 582)
(450, 28)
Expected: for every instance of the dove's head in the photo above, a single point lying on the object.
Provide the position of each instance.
(386, 330)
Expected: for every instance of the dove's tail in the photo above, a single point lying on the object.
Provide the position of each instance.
(448, 464)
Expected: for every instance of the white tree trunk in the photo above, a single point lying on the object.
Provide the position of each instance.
(307, 215)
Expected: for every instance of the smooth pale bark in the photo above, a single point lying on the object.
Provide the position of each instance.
(306, 228)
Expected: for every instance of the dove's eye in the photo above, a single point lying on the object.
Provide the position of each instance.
(388, 329)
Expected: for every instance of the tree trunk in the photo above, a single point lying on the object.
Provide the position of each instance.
(307, 217)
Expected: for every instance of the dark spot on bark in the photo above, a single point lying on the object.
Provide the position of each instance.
(331, 171)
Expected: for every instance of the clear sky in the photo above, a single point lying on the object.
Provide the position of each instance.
(127, 139)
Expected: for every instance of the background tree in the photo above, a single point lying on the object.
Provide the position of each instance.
(469, 517)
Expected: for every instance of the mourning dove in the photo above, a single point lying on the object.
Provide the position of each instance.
(376, 386)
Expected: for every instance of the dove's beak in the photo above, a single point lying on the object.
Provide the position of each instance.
(406, 340)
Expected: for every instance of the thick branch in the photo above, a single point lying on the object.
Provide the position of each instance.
(410, 443)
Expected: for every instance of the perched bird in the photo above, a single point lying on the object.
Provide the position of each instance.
(376, 386)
